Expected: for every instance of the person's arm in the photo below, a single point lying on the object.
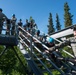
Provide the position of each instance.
(60, 45)
(16, 19)
(4, 16)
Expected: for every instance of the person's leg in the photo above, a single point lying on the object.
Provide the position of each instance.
(1, 28)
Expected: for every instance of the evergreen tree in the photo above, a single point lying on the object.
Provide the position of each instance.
(50, 26)
(67, 15)
(9, 63)
(58, 26)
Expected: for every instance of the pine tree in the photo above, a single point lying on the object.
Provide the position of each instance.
(67, 15)
(58, 26)
(50, 26)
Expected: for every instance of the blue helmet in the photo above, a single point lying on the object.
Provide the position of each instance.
(50, 40)
(13, 14)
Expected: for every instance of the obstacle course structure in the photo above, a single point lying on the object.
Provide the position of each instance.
(38, 61)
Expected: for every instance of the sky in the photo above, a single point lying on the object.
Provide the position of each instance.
(39, 10)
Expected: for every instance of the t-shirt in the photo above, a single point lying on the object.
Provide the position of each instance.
(13, 20)
(27, 25)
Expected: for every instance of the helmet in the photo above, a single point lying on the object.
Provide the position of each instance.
(20, 19)
(1, 9)
(50, 40)
(13, 14)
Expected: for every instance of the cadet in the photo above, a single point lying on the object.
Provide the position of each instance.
(13, 22)
(2, 18)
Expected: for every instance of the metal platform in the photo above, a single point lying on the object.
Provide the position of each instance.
(10, 40)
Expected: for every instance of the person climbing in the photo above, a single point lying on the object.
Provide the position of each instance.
(27, 26)
(13, 23)
(72, 41)
(38, 37)
(49, 43)
(3, 17)
(34, 29)
(20, 24)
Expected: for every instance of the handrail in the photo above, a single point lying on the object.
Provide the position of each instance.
(50, 61)
(34, 38)
(45, 45)
(41, 61)
(38, 49)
